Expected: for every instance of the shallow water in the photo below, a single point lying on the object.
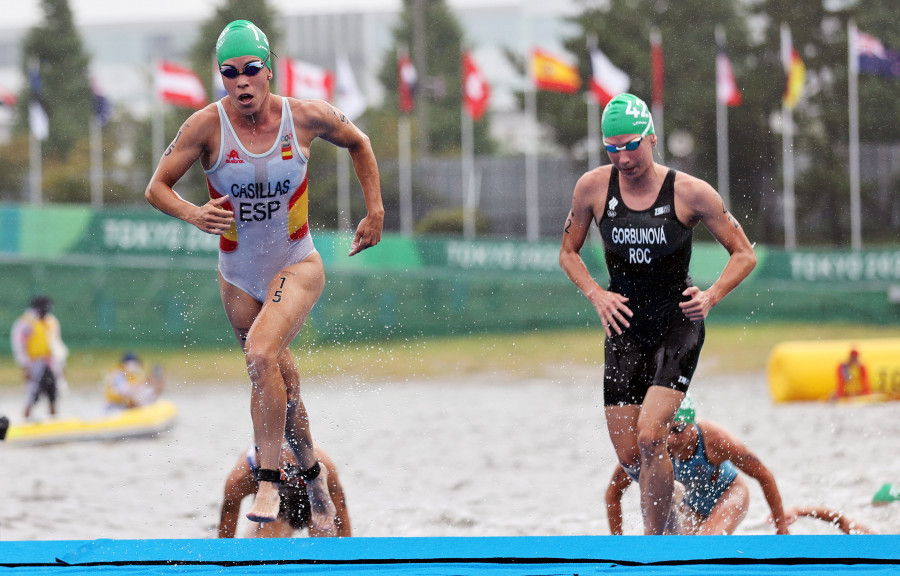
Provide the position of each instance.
(485, 456)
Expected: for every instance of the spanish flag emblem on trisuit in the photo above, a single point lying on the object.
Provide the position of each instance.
(286, 152)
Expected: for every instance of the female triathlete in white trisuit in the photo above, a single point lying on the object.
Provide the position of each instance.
(254, 146)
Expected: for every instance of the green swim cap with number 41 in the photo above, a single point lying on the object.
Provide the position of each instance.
(626, 114)
(242, 38)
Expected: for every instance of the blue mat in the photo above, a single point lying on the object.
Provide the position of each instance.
(512, 556)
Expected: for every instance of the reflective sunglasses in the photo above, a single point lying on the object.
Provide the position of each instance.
(630, 146)
(681, 426)
(250, 69)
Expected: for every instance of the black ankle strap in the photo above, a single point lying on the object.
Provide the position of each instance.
(312, 473)
(270, 475)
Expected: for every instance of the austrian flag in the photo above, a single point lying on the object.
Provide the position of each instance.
(178, 85)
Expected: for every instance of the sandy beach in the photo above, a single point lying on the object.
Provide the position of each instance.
(485, 455)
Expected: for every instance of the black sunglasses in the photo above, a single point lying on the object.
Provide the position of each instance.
(250, 69)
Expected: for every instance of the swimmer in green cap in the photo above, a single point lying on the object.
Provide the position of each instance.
(651, 312)
(706, 460)
(254, 147)
(243, 38)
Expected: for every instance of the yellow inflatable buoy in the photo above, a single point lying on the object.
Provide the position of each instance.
(819, 370)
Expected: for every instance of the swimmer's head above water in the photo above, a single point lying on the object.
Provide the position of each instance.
(686, 412)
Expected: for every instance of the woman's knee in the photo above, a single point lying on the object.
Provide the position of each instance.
(261, 359)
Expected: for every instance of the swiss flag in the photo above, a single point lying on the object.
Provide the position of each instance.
(178, 85)
(300, 79)
(406, 83)
(476, 91)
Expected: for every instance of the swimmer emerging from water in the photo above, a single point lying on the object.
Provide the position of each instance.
(706, 459)
(294, 509)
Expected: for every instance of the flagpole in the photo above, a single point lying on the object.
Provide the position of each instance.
(787, 153)
(532, 208)
(38, 130)
(343, 167)
(722, 160)
(593, 116)
(532, 224)
(96, 145)
(343, 190)
(656, 105)
(468, 164)
(787, 150)
(853, 107)
(35, 177)
(158, 127)
(405, 170)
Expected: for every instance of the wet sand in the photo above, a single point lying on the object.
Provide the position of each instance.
(483, 455)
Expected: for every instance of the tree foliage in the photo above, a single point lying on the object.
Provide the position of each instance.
(66, 91)
(440, 82)
(622, 29)
(819, 33)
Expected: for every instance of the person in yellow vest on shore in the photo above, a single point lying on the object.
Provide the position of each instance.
(129, 386)
(38, 348)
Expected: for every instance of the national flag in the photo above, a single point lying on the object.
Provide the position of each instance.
(875, 57)
(726, 86)
(175, 84)
(102, 106)
(553, 74)
(7, 98)
(38, 120)
(657, 67)
(795, 70)
(476, 91)
(406, 83)
(299, 79)
(218, 85)
(348, 97)
(606, 79)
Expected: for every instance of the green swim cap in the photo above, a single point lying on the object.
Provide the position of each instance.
(686, 412)
(626, 114)
(242, 38)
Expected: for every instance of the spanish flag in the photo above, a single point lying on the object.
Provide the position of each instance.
(795, 71)
(551, 73)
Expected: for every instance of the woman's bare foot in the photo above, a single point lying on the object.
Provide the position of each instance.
(320, 504)
(266, 503)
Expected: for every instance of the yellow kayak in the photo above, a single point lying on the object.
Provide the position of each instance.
(143, 421)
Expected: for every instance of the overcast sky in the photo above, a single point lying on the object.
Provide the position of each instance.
(25, 13)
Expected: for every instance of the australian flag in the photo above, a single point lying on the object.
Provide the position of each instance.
(876, 58)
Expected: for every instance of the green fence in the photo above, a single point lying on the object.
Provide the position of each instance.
(138, 278)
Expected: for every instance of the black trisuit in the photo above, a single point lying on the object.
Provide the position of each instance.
(648, 253)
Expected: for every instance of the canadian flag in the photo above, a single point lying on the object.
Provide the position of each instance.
(606, 79)
(300, 79)
(726, 87)
(178, 85)
(476, 91)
